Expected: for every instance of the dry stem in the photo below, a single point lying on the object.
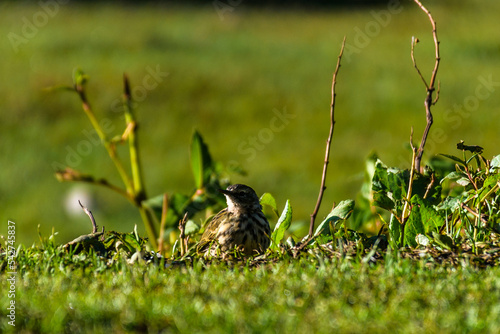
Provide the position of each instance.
(410, 185)
(91, 216)
(328, 143)
(429, 101)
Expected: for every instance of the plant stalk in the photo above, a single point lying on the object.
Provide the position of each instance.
(107, 145)
(135, 161)
(328, 143)
(135, 164)
(430, 88)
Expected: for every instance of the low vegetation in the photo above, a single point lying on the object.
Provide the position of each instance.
(431, 265)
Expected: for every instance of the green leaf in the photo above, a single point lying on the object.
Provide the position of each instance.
(191, 228)
(197, 160)
(454, 158)
(268, 199)
(450, 203)
(487, 189)
(423, 219)
(491, 180)
(421, 185)
(443, 241)
(125, 241)
(341, 212)
(383, 201)
(431, 218)
(463, 181)
(495, 163)
(422, 240)
(395, 232)
(413, 227)
(452, 176)
(282, 225)
(475, 155)
(389, 187)
(201, 161)
(79, 77)
(290, 242)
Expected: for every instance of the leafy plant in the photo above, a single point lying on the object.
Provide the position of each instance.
(473, 202)
(207, 174)
(443, 209)
(410, 202)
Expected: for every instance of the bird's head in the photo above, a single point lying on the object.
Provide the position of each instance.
(241, 198)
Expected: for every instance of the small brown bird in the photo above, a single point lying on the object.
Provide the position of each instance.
(241, 225)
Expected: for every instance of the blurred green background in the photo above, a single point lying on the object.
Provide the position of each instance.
(227, 74)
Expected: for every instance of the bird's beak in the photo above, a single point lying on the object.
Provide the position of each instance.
(225, 192)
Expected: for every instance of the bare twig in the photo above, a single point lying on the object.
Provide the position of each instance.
(410, 184)
(71, 175)
(429, 187)
(414, 42)
(91, 216)
(429, 101)
(474, 213)
(328, 143)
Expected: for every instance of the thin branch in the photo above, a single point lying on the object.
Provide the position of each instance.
(429, 187)
(71, 175)
(414, 42)
(410, 184)
(429, 101)
(437, 93)
(91, 216)
(328, 143)
(474, 213)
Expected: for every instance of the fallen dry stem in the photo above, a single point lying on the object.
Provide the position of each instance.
(91, 216)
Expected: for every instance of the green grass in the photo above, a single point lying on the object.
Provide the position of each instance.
(59, 292)
(225, 78)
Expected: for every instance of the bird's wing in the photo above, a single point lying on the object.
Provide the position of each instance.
(210, 233)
